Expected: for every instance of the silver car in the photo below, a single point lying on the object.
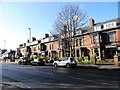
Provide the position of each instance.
(66, 61)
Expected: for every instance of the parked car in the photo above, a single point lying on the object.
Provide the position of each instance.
(1, 58)
(66, 61)
(24, 61)
(51, 60)
(38, 62)
(12, 60)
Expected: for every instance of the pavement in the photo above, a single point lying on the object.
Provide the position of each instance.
(102, 66)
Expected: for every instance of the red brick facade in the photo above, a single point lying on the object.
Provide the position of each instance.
(102, 39)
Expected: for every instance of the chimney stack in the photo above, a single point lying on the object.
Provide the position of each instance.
(46, 35)
(33, 39)
(28, 41)
(92, 22)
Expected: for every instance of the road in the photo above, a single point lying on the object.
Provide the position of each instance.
(26, 76)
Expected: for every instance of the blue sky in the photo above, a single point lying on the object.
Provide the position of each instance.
(17, 17)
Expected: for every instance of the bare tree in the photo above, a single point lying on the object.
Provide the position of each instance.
(70, 19)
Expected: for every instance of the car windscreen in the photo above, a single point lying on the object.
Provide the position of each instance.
(25, 58)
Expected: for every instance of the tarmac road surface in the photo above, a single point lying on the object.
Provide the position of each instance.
(27, 76)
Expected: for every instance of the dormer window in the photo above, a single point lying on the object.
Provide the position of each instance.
(83, 31)
(97, 28)
(109, 25)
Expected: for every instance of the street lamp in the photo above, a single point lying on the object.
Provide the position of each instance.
(29, 34)
(28, 48)
(4, 44)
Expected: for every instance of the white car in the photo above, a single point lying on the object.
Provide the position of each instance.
(66, 61)
(1, 58)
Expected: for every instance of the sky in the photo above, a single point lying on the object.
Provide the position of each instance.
(17, 17)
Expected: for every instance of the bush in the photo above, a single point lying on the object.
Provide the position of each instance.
(85, 62)
(104, 62)
(85, 57)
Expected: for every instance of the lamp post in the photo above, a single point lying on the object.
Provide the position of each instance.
(29, 35)
(4, 44)
(28, 48)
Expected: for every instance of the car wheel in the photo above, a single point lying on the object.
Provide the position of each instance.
(37, 64)
(44, 63)
(55, 65)
(19, 63)
(68, 65)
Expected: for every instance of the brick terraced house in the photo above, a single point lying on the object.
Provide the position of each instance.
(102, 39)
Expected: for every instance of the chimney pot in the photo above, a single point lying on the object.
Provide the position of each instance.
(92, 22)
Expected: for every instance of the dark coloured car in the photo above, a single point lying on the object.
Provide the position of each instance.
(51, 60)
(38, 62)
(24, 61)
